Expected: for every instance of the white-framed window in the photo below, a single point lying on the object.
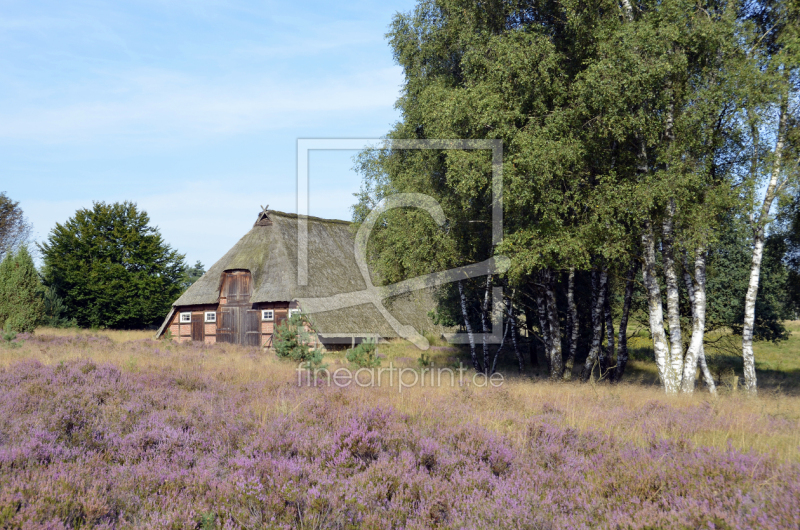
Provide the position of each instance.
(267, 314)
(186, 318)
(293, 312)
(211, 316)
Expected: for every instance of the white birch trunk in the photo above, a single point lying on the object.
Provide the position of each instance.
(697, 298)
(628, 8)
(471, 337)
(544, 325)
(750, 382)
(556, 356)
(673, 301)
(597, 326)
(513, 321)
(608, 355)
(707, 377)
(484, 310)
(656, 311)
(573, 325)
(696, 290)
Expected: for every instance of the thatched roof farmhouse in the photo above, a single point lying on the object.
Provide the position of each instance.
(254, 287)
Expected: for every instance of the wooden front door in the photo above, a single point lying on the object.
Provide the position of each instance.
(198, 333)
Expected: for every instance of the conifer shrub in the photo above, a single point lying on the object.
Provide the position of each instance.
(365, 354)
(21, 305)
(292, 342)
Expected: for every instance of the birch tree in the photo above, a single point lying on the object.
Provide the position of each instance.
(14, 227)
(776, 52)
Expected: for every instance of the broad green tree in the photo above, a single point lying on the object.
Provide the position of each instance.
(111, 268)
(613, 118)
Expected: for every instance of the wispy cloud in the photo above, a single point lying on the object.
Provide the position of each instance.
(201, 219)
(156, 104)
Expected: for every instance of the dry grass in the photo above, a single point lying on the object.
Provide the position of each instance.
(637, 411)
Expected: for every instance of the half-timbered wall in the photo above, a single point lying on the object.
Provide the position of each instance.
(183, 332)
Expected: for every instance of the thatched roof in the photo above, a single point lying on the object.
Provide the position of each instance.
(269, 252)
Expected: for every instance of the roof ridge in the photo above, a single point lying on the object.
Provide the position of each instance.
(309, 217)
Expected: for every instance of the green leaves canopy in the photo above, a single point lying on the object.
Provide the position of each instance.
(111, 268)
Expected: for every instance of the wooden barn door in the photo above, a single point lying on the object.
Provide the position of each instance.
(198, 333)
(237, 323)
(227, 324)
(236, 287)
(252, 327)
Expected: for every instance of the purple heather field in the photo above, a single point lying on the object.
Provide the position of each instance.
(139, 435)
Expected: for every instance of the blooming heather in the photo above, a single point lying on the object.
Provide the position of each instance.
(85, 444)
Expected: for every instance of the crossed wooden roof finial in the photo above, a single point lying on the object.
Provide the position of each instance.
(263, 217)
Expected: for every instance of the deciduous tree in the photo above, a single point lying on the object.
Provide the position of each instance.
(111, 268)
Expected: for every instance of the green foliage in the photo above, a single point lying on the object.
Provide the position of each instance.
(207, 521)
(192, 274)
(787, 230)
(112, 269)
(424, 360)
(443, 316)
(14, 228)
(365, 354)
(728, 273)
(291, 342)
(21, 306)
(8, 335)
(55, 314)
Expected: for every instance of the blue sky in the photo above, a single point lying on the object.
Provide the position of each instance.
(191, 109)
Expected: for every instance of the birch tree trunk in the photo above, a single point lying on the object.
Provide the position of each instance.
(696, 288)
(513, 321)
(774, 187)
(656, 310)
(673, 301)
(475, 363)
(607, 355)
(484, 310)
(707, 377)
(556, 356)
(697, 298)
(573, 325)
(531, 339)
(622, 352)
(597, 327)
(544, 325)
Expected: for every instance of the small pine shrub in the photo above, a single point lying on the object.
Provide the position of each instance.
(365, 354)
(424, 360)
(291, 341)
(53, 315)
(8, 337)
(9, 334)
